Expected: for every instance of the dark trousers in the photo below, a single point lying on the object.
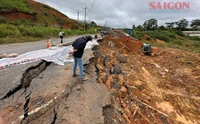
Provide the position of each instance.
(61, 37)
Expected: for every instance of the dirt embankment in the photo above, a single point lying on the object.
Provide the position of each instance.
(41, 15)
(146, 89)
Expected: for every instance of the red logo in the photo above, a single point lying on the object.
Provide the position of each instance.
(169, 5)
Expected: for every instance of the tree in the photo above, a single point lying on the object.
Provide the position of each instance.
(182, 24)
(161, 27)
(170, 24)
(195, 23)
(150, 24)
(93, 24)
(140, 28)
(133, 27)
(145, 25)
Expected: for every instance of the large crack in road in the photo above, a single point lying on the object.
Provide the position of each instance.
(26, 80)
(27, 77)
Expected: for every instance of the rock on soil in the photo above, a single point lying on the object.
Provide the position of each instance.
(162, 90)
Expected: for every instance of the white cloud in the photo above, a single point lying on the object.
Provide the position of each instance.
(122, 13)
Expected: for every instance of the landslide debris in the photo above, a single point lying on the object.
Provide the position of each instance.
(162, 90)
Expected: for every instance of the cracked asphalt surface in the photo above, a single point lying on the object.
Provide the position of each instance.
(53, 96)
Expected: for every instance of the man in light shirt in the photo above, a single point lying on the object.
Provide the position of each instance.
(61, 33)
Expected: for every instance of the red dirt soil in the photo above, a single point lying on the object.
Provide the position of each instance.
(160, 89)
(12, 16)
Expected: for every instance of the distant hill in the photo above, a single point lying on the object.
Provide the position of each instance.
(31, 12)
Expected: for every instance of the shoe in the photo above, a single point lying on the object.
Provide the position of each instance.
(83, 79)
(74, 75)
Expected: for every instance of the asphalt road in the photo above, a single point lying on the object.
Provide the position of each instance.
(20, 48)
(55, 83)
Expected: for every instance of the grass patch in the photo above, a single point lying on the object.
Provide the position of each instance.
(178, 42)
(173, 38)
(23, 33)
(15, 5)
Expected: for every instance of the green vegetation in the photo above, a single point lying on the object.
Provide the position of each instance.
(165, 35)
(15, 5)
(170, 35)
(21, 33)
(36, 21)
(170, 38)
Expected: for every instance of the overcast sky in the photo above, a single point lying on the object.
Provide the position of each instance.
(125, 13)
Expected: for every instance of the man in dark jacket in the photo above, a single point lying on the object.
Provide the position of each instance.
(78, 50)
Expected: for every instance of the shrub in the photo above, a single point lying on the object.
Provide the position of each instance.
(34, 13)
(60, 21)
(138, 34)
(37, 31)
(22, 33)
(74, 27)
(18, 5)
(7, 30)
(45, 13)
(194, 38)
(162, 37)
(180, 33)
(151, 34)
(3, 20)
(148, 38)
(196, 44)
(178, 42)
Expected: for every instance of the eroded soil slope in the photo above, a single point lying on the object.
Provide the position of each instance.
(163, 89)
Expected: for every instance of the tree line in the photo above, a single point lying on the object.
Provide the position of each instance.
(182, 24)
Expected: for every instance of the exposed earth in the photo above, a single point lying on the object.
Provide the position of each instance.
(159, 89)
(41, 13)
(124, 87)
